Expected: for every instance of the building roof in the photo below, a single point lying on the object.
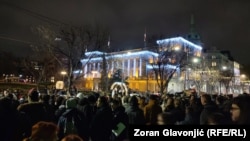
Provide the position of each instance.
(178, 40)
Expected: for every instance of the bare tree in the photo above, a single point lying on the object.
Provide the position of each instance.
(166, 64)
(226, 77)
(198, 80)
(211, 78)
(104, 74)
(9, 63)
(68, 45)
(115, 71)
(41, 69)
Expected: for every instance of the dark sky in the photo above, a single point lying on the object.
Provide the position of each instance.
(221, 24)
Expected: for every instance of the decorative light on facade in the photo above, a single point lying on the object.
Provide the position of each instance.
(177, 48)
(224, 67)
(94, 53)
(94, 71)
(130, 54)
(77, 71)
(243, 76)
(178, 40)
(167, 66)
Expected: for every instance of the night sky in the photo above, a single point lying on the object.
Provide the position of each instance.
(224, 25)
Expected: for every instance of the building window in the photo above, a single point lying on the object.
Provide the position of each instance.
(213, 64)
(197, 53)
(151, 60)
(213, 57)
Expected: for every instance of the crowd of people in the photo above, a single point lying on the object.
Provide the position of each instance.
(97, 117)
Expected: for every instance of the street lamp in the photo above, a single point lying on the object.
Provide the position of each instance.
(177, 48)
(224, 67)
(63, 73)
(195, 60)
(243, 76)
(243, 83)
(197, 75)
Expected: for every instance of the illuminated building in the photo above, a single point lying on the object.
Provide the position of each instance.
(223, 72)
(203, 70)
(135, 66)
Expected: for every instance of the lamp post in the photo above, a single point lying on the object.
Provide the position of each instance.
(243, 78)
(197, 75)
(187, 69)
(224, 68)
(63, 73)
(186, 74)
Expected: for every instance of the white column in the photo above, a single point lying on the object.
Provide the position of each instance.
(128, 66)
(98, 67)
(112, 67)
(134, 69)
(123, 66)
(94, 68)
(108, 67)
(85, 70)
(90, 69)
(140, 69)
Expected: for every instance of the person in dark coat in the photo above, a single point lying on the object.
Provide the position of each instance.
(70, 114)
(101, 124)
(151, 110)
(240, 106)
(209, 107)
(120, 121)
(135, 114)
(14, 125)
(61, 107)
(34, 109)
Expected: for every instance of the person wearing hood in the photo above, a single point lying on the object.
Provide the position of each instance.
(120, 121)
(72, 114)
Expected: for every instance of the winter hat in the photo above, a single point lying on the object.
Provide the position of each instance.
(33, 94)
(80, 95)
(71, 103)
(133, 100)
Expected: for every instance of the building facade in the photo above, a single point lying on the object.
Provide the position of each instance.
(224, 72)
(137, 68)
(210, 71)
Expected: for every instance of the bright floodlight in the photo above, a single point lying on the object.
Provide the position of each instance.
(176, 48)
(243, 76)
(63, 72)
(195, 60)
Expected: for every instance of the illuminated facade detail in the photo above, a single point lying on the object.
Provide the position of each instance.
(123, 65)
(140, 69)
(178, 41)
(134, 67)
(128, 68)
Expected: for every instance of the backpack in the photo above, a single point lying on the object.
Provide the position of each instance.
(70, 125)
